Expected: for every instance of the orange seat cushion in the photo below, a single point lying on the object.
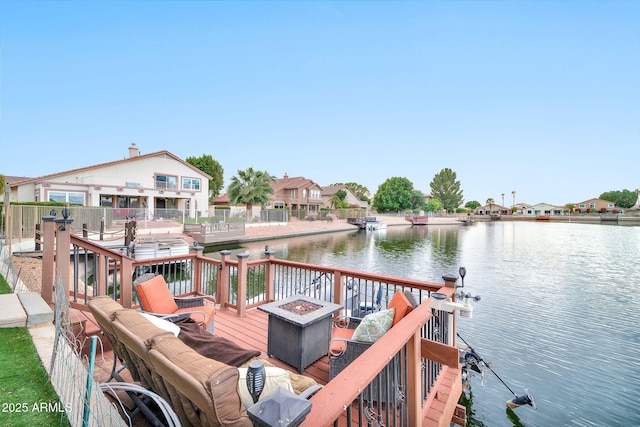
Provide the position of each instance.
(402, 305)
(209, 311)
(338, 346)
(154, 296)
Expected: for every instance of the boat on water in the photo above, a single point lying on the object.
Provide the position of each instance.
(375, 225)
(362, 223)
(417, 219)
(153, 247)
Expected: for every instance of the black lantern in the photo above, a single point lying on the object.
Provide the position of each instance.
(256, 377)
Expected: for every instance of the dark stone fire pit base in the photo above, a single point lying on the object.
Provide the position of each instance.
(299, 329)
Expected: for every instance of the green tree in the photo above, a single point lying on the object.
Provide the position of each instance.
(338, 200)
(3, 182)
(473, 205)
(250, 187)
(445, 188)
(393, 195)
(359, 190)
(211, 167)
(417, 200)
(623, 199)
(434, 205)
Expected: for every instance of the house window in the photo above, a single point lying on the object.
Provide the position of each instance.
(592, 205)
(315, 194)
(292, 194)
(106, 201)
(166, 182)
(67, 197)
(582, 205)
(125, 202)
(278, 205)
(304, 193)
(191, 184)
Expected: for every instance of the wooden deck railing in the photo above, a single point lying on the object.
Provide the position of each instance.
(423, 353)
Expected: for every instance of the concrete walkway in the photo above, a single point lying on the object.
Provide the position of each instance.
(24, 309)
(28, 309)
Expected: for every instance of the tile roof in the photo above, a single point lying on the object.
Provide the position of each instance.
(292, 183)
(107, 164)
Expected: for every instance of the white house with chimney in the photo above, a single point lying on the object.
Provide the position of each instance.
(153, 182)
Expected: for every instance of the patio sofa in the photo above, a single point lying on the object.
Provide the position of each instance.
(202, 391)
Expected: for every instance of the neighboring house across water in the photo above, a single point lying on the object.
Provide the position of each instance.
(155, 181)
(295, 193)
(493, 209)
(523, 209)
(545, 209)
(596, 205)
(352, 199)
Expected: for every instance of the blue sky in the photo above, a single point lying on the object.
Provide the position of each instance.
(537, 97)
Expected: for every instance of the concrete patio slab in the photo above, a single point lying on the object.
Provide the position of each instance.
(12, 314)
(38, 311)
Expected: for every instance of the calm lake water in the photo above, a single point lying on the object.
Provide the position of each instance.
(560, 308)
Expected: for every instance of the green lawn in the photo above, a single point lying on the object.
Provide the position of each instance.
(27, 398)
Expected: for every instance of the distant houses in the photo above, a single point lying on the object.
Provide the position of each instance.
(596, 205)
(161, 181)
(301, 194)
(351, 199)
(545, 209)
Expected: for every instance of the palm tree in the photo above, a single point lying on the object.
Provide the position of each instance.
(502, 199)
(337, 200)
(513, 193)
(490, 202)
(250, 187)
(569, 207)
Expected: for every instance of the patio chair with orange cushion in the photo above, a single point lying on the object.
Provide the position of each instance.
(348, 343)
(155, 298)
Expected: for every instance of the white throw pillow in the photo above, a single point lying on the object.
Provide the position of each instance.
(162, 324)
(276, 377)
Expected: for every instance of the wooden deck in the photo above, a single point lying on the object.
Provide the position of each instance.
(251, 332)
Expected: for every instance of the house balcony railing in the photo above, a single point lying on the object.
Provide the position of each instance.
(419, 360)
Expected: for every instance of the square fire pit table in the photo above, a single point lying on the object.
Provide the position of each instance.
(299, 329)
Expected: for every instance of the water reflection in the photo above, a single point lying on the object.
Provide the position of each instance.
(559, 310)
(466, 399)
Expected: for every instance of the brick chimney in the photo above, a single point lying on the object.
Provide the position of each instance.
(285, 176)
(133, 150)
